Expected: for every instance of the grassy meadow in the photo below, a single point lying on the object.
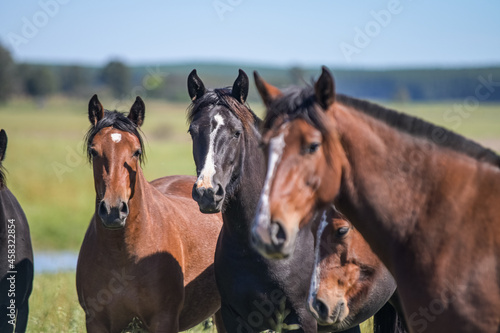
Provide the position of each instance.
(51, 177)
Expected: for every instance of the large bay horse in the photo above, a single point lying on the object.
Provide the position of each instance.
(148, 251)
(16, 262)
(423, 197)
(256, 293)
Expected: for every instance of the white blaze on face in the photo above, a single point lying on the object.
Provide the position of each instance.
(116, 137)
(315, 278)
(276, 146)
(208, 172)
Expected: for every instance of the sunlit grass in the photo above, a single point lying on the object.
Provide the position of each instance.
(54, 307)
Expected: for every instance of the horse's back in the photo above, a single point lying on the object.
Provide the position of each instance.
(175, 185)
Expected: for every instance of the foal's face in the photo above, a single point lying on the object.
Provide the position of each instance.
(217, 139)
(349, 282)
(115, 159)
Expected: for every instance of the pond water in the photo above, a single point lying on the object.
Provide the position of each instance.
(55, 261)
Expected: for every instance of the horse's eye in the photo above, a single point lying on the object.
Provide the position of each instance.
(237, 134)
(138, 153)
(341, 232)
(312, 148)
(93, 152)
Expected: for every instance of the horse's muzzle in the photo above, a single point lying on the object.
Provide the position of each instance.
(113, 217)
(209, 199)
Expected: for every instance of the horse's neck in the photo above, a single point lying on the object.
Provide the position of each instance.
(391, 180)
(240, 208)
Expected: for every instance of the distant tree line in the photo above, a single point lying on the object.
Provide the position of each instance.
(169, 81)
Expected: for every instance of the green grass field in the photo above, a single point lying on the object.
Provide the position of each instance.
(49, 174)
(54, 307)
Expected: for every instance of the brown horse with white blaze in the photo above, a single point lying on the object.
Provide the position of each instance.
(148, 251)
(425, 198)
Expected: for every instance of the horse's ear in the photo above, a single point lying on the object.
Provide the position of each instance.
(3, 144)
(196, 88)
(96, 111)
(267, 92)
(240, 87)
(137, 112)
(324, 89)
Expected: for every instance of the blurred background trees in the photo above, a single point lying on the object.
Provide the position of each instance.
(168, 81)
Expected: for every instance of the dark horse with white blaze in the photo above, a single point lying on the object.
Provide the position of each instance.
(148, 251)
(16, 262)
(424, 198)
(257, 293)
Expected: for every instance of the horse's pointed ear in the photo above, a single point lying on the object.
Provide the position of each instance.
(3, 144)
(137, 112)
(267, 92)
(324, 89)
(240, 87)
(196, 88)
(96, 111)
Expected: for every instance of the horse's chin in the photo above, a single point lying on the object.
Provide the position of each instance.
(212, 208)
(114, 226)
(337, 327)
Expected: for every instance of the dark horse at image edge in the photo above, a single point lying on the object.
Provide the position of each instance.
(256, 293)
(16, 262)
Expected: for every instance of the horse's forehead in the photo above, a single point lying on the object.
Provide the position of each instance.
(113, 136)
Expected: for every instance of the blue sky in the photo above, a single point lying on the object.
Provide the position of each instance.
(352, 34)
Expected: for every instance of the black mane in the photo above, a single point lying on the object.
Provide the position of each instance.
(116, 120)
(301, 103)
(298, 103)
(223, 97)
(421, 128)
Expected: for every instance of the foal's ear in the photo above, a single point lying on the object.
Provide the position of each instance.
(3, 144)
(96, 111)
(196, 88)
(240, 87)
(324, 89)
(137, 112)
(267, 92)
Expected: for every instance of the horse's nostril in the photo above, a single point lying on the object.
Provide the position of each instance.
(220, 191)
(103, 210)
(278, 234)
(321, 309)
(124, 208)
